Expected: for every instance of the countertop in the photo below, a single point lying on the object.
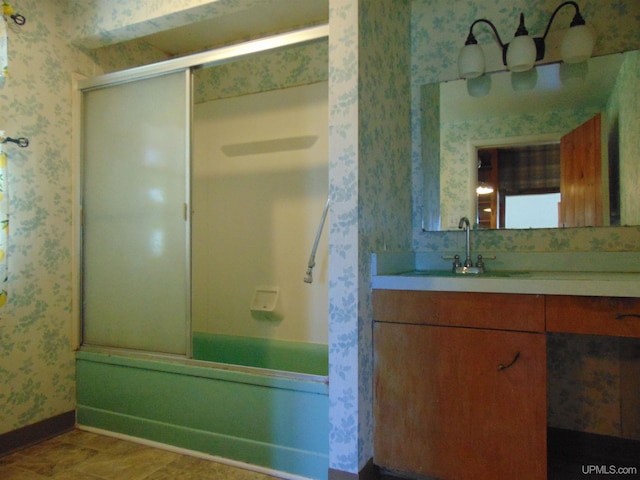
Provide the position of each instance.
(415, 271)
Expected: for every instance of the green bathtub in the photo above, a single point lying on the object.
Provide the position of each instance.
(267, 418)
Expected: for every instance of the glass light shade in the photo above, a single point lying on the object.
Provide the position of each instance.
(573, 74)
(471, 61)
(521, 53)
(479, 86)
(524, 81)
(577, 44)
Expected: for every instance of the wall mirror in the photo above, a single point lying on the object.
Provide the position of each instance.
(560, 141)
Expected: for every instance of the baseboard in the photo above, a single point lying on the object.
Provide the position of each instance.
(37, 432)
(368, 472)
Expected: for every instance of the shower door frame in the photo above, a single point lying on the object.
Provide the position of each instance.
(186, 64)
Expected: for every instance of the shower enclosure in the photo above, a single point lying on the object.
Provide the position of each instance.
(204, 180)
(202, 191)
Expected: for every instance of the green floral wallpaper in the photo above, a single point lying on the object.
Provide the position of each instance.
(65, 36)
(297, 65)
(36, 358)
(624, 122)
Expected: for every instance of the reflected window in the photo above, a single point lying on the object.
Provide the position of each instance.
(524, 173)
(532, 211)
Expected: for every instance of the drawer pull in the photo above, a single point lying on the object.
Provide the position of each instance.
(515, 359)
(620, 316)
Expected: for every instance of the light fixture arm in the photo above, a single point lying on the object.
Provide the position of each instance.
(471, 39)
(577, 18)
(540, 41)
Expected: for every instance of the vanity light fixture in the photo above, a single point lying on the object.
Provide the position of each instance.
(524, 51)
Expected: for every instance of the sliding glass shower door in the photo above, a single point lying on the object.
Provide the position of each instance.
(135, 214)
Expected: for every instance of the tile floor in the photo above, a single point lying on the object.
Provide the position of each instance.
(81, 455)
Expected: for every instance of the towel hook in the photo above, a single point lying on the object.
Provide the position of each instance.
(9, 11)
(22, 142)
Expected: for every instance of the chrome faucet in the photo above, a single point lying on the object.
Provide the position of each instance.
(464, 223)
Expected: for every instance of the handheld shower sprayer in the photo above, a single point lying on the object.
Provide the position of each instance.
(308, 278)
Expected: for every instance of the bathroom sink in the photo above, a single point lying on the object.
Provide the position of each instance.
(486, 274)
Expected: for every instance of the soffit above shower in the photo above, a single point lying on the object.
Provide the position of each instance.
(278, 16)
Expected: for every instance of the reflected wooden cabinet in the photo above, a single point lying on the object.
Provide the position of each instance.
(454, 396)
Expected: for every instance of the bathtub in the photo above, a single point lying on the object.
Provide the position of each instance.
(266, 353)
(272, 419)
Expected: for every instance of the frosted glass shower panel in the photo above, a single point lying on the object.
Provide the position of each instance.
(135, 278)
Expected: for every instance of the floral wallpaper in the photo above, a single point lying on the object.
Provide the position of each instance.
(384, 170)
(96, 23)
(376, 72)
(369, 178)
(624, 122)
(36, 358)
(298, 65)
(584, 383)
(345, 386)
(4, 223)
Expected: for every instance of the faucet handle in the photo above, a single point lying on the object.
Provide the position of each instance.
(480, 263)
(456, 263)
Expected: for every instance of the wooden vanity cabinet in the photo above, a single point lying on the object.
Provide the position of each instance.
(612, 316)
(457, 394)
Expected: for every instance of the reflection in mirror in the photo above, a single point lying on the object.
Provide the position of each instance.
(519, 186)
(571, 131)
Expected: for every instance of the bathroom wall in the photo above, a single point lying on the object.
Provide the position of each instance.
(370, 185)
(624, 131)
(37, 367)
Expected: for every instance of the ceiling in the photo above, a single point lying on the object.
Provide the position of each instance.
(274, 17)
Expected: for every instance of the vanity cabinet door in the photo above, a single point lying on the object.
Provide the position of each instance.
(460, 403)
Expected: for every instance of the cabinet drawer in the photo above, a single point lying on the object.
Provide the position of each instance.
(501, 311)
(615, 316)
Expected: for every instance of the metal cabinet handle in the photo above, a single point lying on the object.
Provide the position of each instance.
(515, 359)
(620, 316)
